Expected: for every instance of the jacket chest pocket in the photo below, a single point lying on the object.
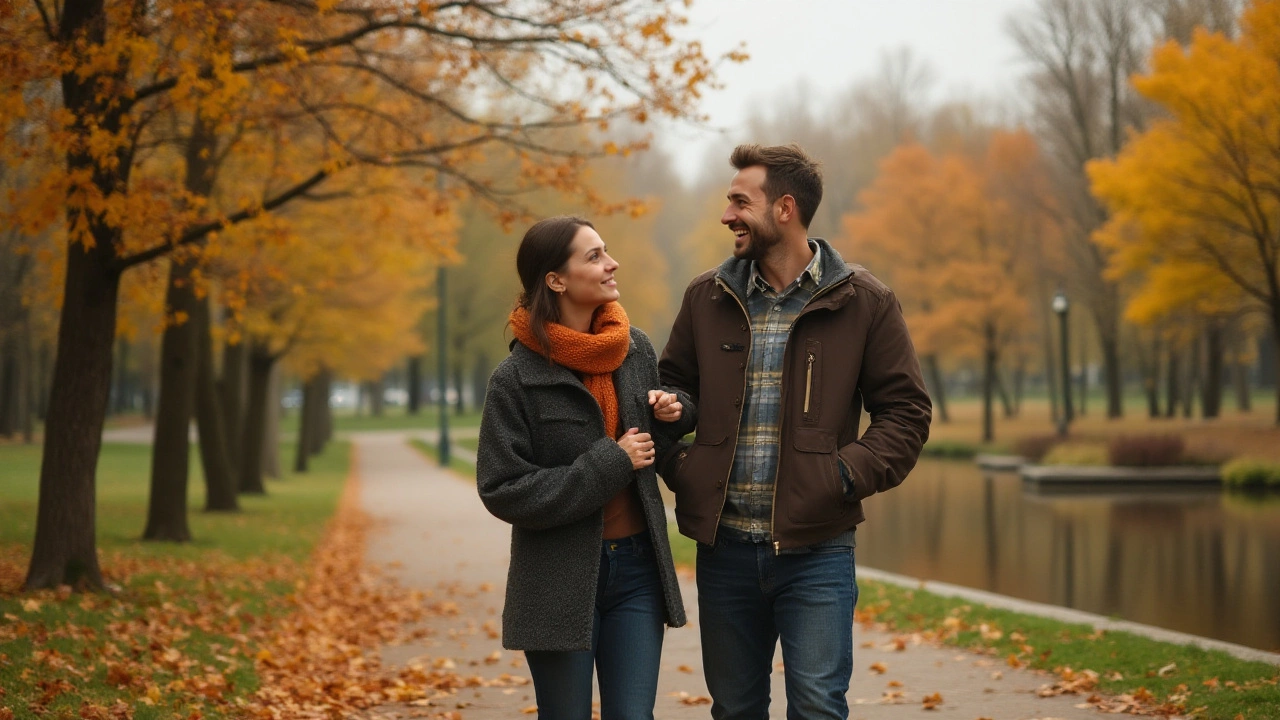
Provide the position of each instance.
(811, 381)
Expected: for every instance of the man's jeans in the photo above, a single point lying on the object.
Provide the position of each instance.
(626, 643)
(748, 598)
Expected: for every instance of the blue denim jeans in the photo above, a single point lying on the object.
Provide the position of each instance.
(626, 643)
(748, 599)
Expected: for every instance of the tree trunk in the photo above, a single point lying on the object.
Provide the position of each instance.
(414, 384)
(170, 456)
(1192, 384)
(1275, 338)
(180, 359)
(1240, 374)
(64, 549)
(232, 391)
(219, 480)
(271, 436)
(28, 400)
(1115, 380)
(1173, 382)
(459, 405)
(1083, 403)
(307, 424)
(254, 437)
(936, 388)
(988, 383)
(44, 381)
(1211, 388)
(9, 387)
(123, 392)
(323, 413)
(377, 398)
(1149, 366)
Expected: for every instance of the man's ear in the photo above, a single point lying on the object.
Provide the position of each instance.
(786, 208)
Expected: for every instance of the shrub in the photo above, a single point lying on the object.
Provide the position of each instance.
(952, 449)
(1251, 473)
(1076, 453)
(1146, 450)
(1035, 447)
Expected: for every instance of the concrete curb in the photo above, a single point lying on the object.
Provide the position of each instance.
(1069, 615)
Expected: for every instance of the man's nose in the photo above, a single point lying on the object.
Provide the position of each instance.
(728, 216)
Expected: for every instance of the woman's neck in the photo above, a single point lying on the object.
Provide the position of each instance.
(576, 317)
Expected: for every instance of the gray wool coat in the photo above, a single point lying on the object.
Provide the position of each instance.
(546, 466)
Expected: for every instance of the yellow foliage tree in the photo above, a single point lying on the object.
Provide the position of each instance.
(1196, 197)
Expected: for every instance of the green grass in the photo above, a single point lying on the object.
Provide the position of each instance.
(432, 452)
(238, 570)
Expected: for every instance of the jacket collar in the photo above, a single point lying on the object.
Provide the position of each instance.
(736, 274)
(535, 370)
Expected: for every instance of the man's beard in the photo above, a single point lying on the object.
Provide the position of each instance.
(761, 240)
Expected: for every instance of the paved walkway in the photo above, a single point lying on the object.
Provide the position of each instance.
(437, 536)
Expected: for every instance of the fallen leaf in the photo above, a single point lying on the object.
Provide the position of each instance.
(931, 702)
(878, 668)
(685, 669)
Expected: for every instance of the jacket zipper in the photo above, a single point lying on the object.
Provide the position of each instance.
(808, 383)
(725, 496)
(773, 508)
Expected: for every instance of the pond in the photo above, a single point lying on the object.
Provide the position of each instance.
(1204, 562)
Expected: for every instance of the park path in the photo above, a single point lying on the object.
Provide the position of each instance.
(433, 534)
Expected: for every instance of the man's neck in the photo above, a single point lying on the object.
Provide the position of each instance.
(786, 262)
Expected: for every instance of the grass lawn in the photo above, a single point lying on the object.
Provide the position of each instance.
(177, 638)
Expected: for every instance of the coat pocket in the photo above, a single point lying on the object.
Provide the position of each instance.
(812, 491)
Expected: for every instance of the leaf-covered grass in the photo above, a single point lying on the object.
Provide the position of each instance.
(1129, 668)
(432, 452)
(180, 635)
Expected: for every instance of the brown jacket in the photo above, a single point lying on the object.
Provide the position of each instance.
(848, 348)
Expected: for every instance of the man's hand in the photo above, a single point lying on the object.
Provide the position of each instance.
(665, 406)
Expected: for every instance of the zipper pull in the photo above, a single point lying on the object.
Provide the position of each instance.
(777, 550)
(808, 383)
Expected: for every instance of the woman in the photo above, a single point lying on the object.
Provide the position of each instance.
(567, 457)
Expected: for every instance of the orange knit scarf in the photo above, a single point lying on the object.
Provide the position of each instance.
(595, 354)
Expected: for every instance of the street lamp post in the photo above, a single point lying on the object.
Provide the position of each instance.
(442, 369)
(1060, 308)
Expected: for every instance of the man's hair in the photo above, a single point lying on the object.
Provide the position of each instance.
(788, 171)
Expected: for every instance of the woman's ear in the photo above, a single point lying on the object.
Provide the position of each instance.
(555, 283)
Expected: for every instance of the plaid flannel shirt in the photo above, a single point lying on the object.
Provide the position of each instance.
(748, 509)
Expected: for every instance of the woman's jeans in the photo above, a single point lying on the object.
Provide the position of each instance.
(626, 643)
(749, 598)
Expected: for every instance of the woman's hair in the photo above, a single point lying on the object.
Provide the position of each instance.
(545, 248)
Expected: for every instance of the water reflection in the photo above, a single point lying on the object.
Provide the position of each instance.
(1200, 561)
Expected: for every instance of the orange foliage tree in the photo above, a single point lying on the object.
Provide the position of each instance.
(957, 236)
(378, 83)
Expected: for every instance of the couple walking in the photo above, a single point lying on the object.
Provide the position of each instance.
(772, 358)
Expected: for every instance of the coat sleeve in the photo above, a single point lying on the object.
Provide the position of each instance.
(893, 390)
(678, 373)
(517, 490)
(667, 434)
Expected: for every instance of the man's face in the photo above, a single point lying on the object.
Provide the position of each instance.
(750, 215)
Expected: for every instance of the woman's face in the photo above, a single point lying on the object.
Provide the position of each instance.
(587, 279)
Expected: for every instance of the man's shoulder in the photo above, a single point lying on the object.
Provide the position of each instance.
(863, 279)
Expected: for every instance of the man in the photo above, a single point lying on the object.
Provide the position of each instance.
(779, 349)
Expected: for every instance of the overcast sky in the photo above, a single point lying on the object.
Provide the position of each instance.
(829, 44)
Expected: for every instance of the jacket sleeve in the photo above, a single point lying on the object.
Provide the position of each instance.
(517, 490)
(893, 391)
(667, 434)
(678, 373)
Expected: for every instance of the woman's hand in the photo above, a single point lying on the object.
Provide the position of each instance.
(639, 447)
(665, 406)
